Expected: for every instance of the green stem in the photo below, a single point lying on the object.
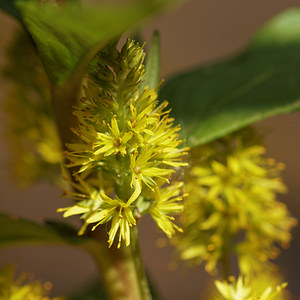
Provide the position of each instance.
(139, 266)
(121, 269)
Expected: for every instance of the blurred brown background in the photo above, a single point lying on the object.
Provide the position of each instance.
(199, 31)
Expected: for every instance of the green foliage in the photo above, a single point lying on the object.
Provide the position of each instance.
(9, 7)
(67, 37)
(263, 81)
(135, 145)
(152, 64)
(16, 231)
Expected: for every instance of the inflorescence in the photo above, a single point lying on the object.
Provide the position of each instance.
(126, 150)
(232, 208)
(259, 288)
(23, 287)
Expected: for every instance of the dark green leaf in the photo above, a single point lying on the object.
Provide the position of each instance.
(263, 81)
(68, 36)
(9, 7)
(18, 231)
(152, 65)
(61, 227)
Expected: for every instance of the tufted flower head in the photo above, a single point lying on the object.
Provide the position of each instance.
(22, 288)
(128, 139)
(244, 288)
(168, 201)
(121, 217)
(232, 206)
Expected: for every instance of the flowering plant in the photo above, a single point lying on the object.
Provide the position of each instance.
(96, 124)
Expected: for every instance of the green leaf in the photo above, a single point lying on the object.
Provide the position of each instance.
(152, 65)
(263, 81)
(67, 37)
(18, 231)
(9, 7)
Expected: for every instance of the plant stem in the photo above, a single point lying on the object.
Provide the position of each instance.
(139, 266)
(225, 266)
(121, 269)
(225, 258)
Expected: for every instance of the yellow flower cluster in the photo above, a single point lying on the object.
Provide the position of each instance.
(31, 132)
(232, 206)
(126, 149)
(245, 289)
(22, 288)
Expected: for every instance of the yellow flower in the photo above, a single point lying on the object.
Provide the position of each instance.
(143, 114)
(120, 215)
(112, 143)
(127, 138)
(246, 289)
(88, 200)
(145, 169)
(232, 206)
(22, 288)
(167, 202)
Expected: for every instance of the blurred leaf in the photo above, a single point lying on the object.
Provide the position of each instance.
(152, 64)
(68, 36)
(263, 81)
(18, 231)
(61, 227)
(9, 7)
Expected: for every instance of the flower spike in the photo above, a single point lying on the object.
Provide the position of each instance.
(126, 138)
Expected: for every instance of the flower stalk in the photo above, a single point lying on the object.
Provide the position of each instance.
(121, 270)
